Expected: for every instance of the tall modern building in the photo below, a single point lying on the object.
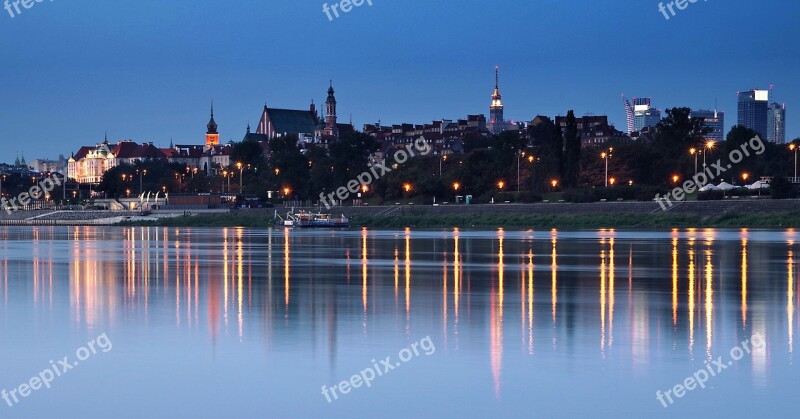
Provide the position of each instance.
(776, 123)
(497, 122)
(644, 115)
(714, 120)
(641, 114)
(753, 110)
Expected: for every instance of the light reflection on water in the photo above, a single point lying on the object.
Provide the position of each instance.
(210, 322)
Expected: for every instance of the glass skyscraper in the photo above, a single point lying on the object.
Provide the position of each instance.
(753, 109)
(714, 120)
(776, 123)
(644, 115)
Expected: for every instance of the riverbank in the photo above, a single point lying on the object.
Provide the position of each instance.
(750, 213)
(561, 221)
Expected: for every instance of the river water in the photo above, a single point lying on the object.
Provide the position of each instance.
(196, 323)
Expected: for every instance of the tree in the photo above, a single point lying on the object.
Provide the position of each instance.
(572, 151)
(678, 132)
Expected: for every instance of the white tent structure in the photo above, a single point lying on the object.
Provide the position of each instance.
(758, 185)
(725, 186)
(708, 187)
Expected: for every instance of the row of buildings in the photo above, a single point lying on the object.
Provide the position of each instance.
(756, 110)
(311, 126)
(89, 163)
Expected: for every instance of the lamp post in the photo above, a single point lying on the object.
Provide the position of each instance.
(141, 173)
(693, 151)
(444, 157)
(605, 156)
(710, 144)
(240, 166)
(225, 175)
(794, 148)
(519, 154)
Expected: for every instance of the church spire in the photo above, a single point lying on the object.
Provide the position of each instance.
(212, 125)
(212, 135)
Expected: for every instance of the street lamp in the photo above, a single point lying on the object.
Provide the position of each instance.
(612, 181)
(554, 184)
(240, 166)
(745, 176)
(675, 179)
(456, 185)
(286, 191)
(605, 156)
(520, 154)
(141, 173)
(407, 187)
(500, 185)
(693, 151)
(710, 144)
(444, 157)
(794, 148)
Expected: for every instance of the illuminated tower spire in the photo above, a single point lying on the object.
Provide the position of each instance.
(212, 135)
(496, 108)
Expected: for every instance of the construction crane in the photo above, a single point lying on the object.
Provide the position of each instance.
(628, 113)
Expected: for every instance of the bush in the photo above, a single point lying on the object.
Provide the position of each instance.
(711, 196)
(782, 188)
(627, 193)
(519, 198)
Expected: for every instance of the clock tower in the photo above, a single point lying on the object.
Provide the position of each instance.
(212, 136)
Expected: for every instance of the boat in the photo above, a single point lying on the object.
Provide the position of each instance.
(304, 219)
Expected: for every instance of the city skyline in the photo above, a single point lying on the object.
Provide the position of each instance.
(55, 109)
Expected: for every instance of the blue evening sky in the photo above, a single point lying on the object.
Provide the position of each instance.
(148, 69)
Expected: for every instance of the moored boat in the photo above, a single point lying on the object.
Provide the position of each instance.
(304, 219)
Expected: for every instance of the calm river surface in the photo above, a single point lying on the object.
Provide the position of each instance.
(212, 323)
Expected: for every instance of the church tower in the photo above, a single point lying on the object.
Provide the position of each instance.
(496, 108)
(212, 136)
(331, 128)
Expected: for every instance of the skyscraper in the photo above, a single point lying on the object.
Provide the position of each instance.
(753, 109)
(776, 123)
(497, 122)
(644, 115)
(714, 120)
